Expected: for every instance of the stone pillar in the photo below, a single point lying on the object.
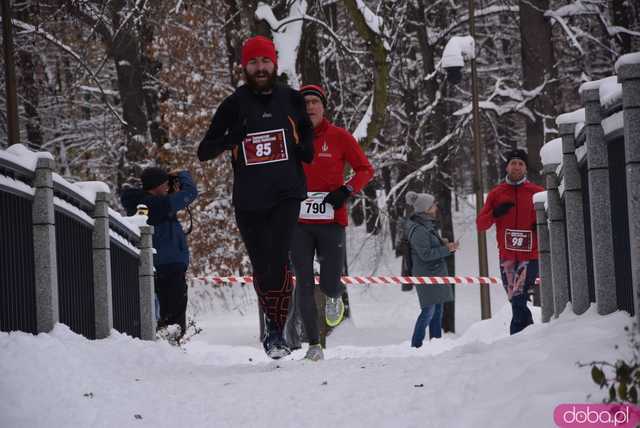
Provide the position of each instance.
(103, 301)
(544, 259)
(576, 244)
(557, 241)
(629, 77)
(145, 276)
(44, 247)
(600, 204)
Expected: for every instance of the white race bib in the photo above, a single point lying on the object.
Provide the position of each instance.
(312, 208)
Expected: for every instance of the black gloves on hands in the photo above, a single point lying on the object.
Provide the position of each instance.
(502, 209)
(337, 197)
(235, 137)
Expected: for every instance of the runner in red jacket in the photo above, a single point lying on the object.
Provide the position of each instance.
(323, 216)
(510, 206)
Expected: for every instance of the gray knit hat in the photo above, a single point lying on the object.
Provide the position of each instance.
(420, 201)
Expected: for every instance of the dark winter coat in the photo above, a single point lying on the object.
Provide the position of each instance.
(428, 255)
(262, 186)
(169, 239)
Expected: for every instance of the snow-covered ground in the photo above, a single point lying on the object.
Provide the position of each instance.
(371, 377)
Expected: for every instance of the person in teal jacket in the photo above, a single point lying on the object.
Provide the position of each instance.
(428, 257)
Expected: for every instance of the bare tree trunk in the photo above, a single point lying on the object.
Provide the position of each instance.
(621, 17)
(537, 65)
(151, 86)
(440, 188)
(309, 62)
(31, 98)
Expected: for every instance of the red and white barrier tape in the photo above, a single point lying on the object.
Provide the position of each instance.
(381, 280)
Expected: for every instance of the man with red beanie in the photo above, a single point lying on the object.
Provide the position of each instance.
(510, 206)
(267, 130)
(323, 216)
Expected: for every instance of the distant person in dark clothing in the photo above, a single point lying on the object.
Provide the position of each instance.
(510, 206)
(171, 259)
(267, 130)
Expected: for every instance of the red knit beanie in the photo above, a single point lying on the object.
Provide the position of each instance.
(316, 91)
(258, 46)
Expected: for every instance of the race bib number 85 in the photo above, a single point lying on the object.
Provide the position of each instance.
(265, 147)
(518, 240)
(312, 208)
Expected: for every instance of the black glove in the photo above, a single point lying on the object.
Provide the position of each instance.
(235, 137)
(502, 209)
(337, 197)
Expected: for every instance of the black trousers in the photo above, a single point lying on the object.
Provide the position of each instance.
(328, 242)
(171, 288)
(267, 237)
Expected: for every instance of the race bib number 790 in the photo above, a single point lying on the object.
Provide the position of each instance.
(265, 147)
(518, 240)
(312, 208)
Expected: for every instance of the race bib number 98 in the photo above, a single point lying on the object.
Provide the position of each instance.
(312, 208)
(265, 147)
(518, 240)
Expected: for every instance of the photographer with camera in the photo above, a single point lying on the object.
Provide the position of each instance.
(164, 194)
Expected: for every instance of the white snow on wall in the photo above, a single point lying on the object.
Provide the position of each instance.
(90, 188)
(551, 152)
(586, 86)
(579, 127)
(632, 58)
(57, 178)
(16, 184)
(540, 197)
(20, 155)
(73, 210)
(610, 91)
(125, 243)
(613, 123)
(132, 226)
(576, 117)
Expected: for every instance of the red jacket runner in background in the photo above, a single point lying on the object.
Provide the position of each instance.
(516, 232)
(333, 147)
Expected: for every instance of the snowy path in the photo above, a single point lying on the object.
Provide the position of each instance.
(63, 380)
(480, 377)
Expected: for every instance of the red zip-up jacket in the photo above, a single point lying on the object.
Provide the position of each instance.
(333, 147)
(518, 220)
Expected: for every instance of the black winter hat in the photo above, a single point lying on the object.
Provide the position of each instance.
(517, 154)
(152, 177)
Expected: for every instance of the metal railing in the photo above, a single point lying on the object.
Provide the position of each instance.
(604, 255)
(67, 258)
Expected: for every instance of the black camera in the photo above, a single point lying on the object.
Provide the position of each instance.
(174, 183)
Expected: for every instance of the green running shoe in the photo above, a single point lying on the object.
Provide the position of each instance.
(334, 311)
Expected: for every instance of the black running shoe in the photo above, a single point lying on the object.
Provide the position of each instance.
(274, 343)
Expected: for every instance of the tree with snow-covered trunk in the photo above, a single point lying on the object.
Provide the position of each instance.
(538, 74)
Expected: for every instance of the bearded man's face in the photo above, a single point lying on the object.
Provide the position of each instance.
(260, 73)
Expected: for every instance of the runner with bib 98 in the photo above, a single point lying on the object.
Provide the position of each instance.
(323, 216)
(510, 206)
(267, 129)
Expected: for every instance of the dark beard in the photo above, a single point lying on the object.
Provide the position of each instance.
(260, 87)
